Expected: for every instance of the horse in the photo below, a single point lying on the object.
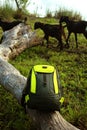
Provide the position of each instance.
(55, 31)
(74, 27)
(9, 25)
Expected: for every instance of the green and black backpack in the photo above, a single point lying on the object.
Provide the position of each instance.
(43, 90)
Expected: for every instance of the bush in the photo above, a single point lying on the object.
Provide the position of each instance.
(48, 14)
(6, 12)
(64, 12)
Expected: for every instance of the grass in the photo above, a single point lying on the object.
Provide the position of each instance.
(72, 66)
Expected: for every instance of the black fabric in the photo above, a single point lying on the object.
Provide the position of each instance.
(44, 83)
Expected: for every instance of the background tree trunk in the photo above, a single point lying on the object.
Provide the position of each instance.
(17, 4)
(14, 82)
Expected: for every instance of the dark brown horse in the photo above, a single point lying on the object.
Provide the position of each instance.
(9, 25)
(55, 31)
(74, 27)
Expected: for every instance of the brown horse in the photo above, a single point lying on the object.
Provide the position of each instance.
(74, 27)
(9, 25)
(55, 31)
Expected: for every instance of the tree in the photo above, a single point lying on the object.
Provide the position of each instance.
(17, 4)
(14, 42)
(21, 4)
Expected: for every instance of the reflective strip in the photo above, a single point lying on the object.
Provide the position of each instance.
(26, 98)
(62, 100)
(44, 68)
(55, 82)
(33, 82)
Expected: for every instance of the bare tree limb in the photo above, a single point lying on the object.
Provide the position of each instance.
(17, 4)
(11, 79)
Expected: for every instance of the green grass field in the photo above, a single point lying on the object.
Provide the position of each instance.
(72, 66)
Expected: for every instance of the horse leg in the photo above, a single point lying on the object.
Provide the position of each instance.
(60, 43)
(76, 40)
(47, 39)
(67, 44)
(85, 34)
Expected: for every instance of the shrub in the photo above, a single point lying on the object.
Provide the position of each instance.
(6, 12)
(64, 12)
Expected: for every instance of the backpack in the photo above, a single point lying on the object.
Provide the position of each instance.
(43, 90)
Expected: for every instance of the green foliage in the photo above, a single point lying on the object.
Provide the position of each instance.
(12, 116)
(22, 3)
(19, 14)
(48, 14)
(6, 11)
(64, 12)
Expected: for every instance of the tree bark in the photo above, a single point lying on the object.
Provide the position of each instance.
(17, 40)
(14, 82)
(17, 4)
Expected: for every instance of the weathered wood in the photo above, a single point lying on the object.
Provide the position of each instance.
(14, 82)
(16, 40)
(11, 79)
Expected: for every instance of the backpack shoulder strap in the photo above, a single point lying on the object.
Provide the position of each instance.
(26, 91)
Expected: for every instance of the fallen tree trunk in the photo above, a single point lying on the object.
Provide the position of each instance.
(14, 82)
(16, 40)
